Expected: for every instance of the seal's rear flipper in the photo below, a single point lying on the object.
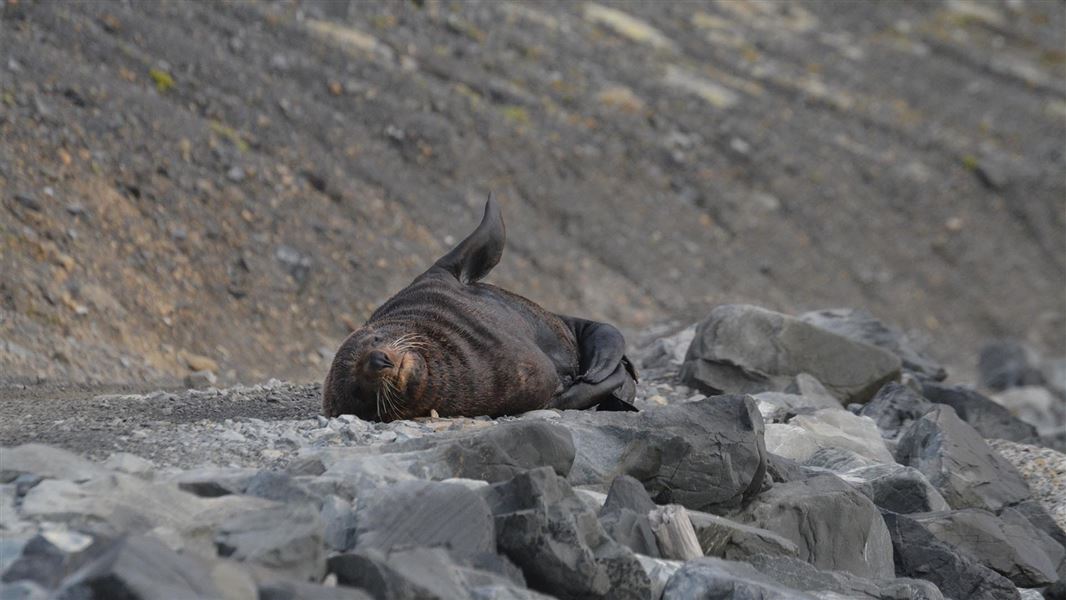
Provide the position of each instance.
(600, 349)
(475, 256)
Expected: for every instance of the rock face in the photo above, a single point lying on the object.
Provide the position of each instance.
(800, 575)
(840, 429)
(833, 526)
(919, 554)
(959, 462)
(624, 516)
(722, 538)
(746, 349)
(894, 408)
(557, 541)
(716, 578)
(896, 488)
(703, 455)
(861, 326)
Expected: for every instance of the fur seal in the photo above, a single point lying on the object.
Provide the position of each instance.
(450, 344)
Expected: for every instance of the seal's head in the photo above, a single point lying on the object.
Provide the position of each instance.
(378, 374)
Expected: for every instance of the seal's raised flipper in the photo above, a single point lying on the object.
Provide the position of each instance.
(475, 256)
(615, 392)
(600, 349)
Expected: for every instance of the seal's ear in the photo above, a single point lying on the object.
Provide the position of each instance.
(475, 256)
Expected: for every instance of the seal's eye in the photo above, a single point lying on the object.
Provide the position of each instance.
(378, 361)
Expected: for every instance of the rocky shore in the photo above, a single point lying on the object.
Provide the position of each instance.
(813, 456)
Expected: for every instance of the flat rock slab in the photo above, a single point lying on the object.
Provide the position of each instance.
(958, 461)
(703, 455)
(747, 349)
(800, 575)
(722, 538)
(833, 526)
(717, 578)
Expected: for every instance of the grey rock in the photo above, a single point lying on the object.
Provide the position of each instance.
(299, 590)
(779, 407)
(1005, 364)
(48, 462)
(1038, 407)
(837, 428)
(991, 419)
(286, 539)
(797, 574)
(213, 482)
(746, 349)
(838, 460)
(624, 516)
(45, 563)
(714, 579)
(659, 573)
(896, 488)
(1034, 512)
(1012, 549)
(918, 554)
(703, 455)
(894, 408)
(278, 486)
(425, 513)
(130, 464)
(781, 469)
(959, 463)
(669, 351)
(338, 523)
(722, 538)
(861, 326)
(420, 573)
(142, 568)
(23, 590)
(492, 454)
(833, 526)
(557, 541)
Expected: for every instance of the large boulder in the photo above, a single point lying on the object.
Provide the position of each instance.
(896, 488)
(833, 526)
(1014, 549)
(714, 578)
(47, 462)
(840, 429)
(495, 453)
(861, 326)
(800, 575)
(989, 418)
(286, 538)
(894, 408)
(722, 538)
(747, 349)
(959, 462)
(545, 529)
(919, 554)
(425, 513)
(705, 455)
(624, 516)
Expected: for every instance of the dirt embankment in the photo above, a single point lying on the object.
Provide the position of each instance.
(234, 185)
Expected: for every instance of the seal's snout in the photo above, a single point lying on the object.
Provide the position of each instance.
(378, 361)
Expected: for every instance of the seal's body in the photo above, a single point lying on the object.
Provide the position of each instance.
(450, 344)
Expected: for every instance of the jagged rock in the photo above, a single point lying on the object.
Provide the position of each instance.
(674, 533)
(920, 555)
(797, 574)
(557, 541)
(833, 526)
(841, 429)
(119, 504)
(861, 326)
(286, 539)
(624, 516)
(837, 460)
(48, 462)
(278, 486)
(1015, 549)
(896, 488)
(425, 513)
(1034, 512)
(894, 408)
(959, 463)
(779, 407)
(142, 568)
(419, 573)
(1006, 364)
(722, 538)
(703, 455)
(991, 419)
(46, 561)
(659, 573)
(781, 469)
(714, 578)
(211, 482)
(338, 523)
(299, 590)
(747, 349)
(668, 351)
(789, 441)
(492, 454)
